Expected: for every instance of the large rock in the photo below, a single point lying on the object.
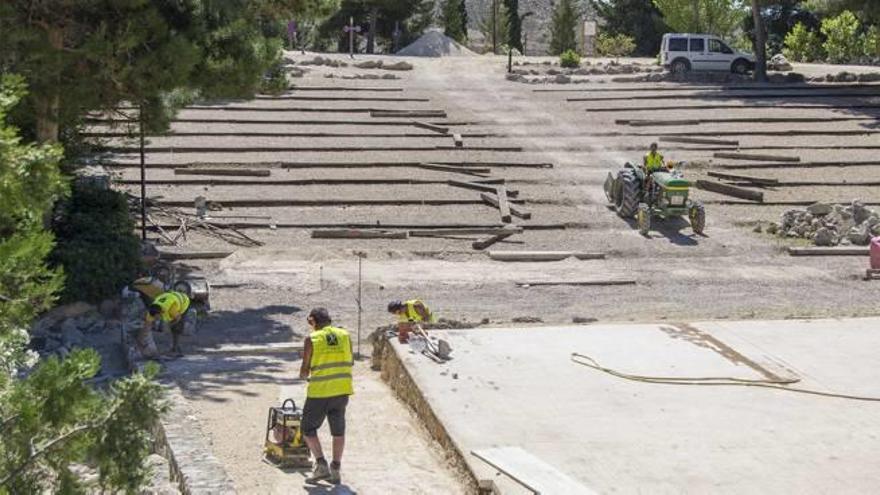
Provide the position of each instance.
(820, 209)
(859, 212)
(562, 79)
(859, 235)
(779, 62)
(71, 335)
(398, 66)
(369, 64)
(825, 237)
(869, 77)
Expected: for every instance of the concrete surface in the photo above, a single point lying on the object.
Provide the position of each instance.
(516, 387)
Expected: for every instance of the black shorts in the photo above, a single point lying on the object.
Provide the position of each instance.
(316, 409)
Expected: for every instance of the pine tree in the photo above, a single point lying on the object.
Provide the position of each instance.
(450, 16)
(462, 8)
(637, 18)
(497, 29)
(563, 31)
(514, 32)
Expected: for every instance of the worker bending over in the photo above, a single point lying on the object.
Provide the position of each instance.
(408, 313)
(653, 160)
(173, 311)
(327, 365)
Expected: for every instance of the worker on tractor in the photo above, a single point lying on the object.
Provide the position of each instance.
(172, 310)
(327, 365)
(653, 161)
(409, 313)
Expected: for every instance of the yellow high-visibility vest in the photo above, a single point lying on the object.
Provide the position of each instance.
(410, 313)
(173, 305)
(653, 162)
(331, 363)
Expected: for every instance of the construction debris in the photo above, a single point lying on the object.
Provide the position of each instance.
(499, 201)
(830, 225)
(483, 186)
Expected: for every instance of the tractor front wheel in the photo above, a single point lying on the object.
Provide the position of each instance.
(697, 216)
(643, 218)
(627, 201)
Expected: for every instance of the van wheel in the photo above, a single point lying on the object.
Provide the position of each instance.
(739, 66)
(680, 66)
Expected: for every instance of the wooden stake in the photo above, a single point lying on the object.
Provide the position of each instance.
(745, 156)
(736, 192)
(431, 127)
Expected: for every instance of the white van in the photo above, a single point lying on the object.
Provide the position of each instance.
(682, 52)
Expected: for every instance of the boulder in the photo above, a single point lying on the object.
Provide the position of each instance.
(825, 237)
(369, 64)
(869, 77)
(859, 235)
(553, 72)
(773, 228)
(859, 212)
(389, 76)
(779, 63)
(71, 336)
(820, 209)
(562, 79)
(795, 77)
(397, 66)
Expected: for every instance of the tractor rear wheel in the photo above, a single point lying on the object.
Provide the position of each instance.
(697, 216)
(643, 218)
(628, 197)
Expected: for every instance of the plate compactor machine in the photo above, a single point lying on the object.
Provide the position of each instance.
(284, 440)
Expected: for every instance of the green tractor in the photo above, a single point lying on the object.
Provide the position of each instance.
(662, 194)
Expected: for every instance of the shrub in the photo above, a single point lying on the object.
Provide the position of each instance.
(570, 59)
(96, 244)
(274, 81)
(619, 45)
(802, 45)
(872, 42)
(842, 43)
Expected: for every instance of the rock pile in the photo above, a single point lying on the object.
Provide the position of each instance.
(329, 62)
(830, 225)
(379, 64)
(68, 327)
(847, 77)
(435, 44)
(779, 63)
(567, 76)
(361, 76)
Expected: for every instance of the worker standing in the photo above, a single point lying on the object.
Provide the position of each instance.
(174, 312)
(408, 313)
(327, 364)
(653, 160)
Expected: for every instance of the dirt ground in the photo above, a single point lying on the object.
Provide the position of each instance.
(731, 272)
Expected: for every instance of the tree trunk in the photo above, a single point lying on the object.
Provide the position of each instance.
(760, 43)
(697, 27)
(371, 35)
(49, 102)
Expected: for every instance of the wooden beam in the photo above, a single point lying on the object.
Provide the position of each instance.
(257, 203)
(838, 164)
(748, 156)
(488, 241)
(358, 234)
(340, 88)
(653, 123)
(486, 187)
(507, 229)
(719, 142)
(481, 171)
(242, 172)
(542, 255)
(829, 251)
(727, 189)
(408, 114)
(744, 178)
(577, 282)
(193, 255)
(498, 201)
(270, 348)
(431, 127)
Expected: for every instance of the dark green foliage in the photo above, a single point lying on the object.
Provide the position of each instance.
(780, 17)
(275, 81)
(462, 9)
(96, 244)
(514, 25)
(563, 31)
(453, 24)
(412, 15)
(640, 19)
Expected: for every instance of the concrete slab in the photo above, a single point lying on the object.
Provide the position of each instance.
(519, 388)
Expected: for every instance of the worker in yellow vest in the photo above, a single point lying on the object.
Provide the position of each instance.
(408, 313)
(172, 310)
(653, 160)
(327, 365)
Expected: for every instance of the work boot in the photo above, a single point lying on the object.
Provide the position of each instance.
(321, 472)
(335, 477)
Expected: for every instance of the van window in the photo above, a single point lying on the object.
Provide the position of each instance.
(698, 44)
(678, 44)
(716, 46)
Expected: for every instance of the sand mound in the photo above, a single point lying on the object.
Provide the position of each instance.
(434, 44)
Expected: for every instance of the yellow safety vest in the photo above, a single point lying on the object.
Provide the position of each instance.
(330, 366)
(410, 313)
(173, 305)
(653, 161)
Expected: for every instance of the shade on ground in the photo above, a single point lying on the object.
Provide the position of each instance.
(519, 388)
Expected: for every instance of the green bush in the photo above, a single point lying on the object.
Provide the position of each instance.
(274, 81)
(802, 45)
(570, 59)
(96, 244)
(619, 45)
(842, 43)
(872, 42)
